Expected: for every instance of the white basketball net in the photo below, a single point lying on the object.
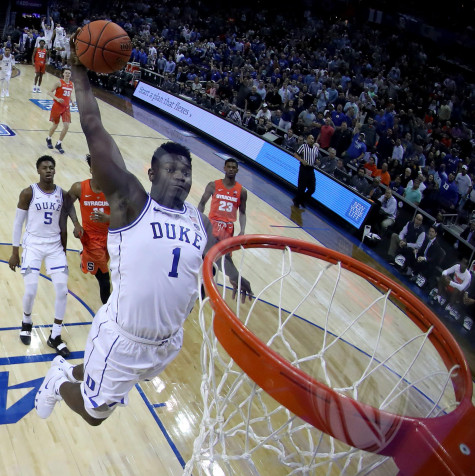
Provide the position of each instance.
(339, 329)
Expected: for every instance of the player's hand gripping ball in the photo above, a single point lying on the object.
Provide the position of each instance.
(103, 46)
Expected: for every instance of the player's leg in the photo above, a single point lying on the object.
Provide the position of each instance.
(94, 259)
(2, 85)
(30, 269)
(30, 279)
(54, 118)
(64, 131)
(6, 87)
(71, 394)
(66, 116)
(104, 285)
(56, 267)
(107, 378)
(40, 79)
(57, 385)
(53, 128)
(60, 283)
(106, 386)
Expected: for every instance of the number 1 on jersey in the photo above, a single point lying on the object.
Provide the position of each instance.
(176, 257)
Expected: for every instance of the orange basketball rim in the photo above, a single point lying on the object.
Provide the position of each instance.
(443, 445)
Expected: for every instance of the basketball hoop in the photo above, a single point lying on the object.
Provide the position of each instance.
(363, 376)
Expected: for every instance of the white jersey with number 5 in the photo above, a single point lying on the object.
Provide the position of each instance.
(154, 265)
(42, 224)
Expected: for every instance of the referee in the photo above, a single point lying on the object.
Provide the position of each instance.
(307, 155)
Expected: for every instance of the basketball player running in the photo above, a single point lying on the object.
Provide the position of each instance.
(156, 242)
(39, 57)
(41, 205)
(227, 197)
(95, 213)
(61, 93)
(7, 64)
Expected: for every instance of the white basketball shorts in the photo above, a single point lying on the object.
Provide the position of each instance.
(5, 75)
(34, 253)
(114, 361)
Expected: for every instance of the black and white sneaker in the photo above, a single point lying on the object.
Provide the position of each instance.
(49, 143)
(25, 333)
(59, 148)
(58, 344)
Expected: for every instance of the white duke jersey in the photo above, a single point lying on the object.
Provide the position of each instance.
(6, 63)
(60, 37)
(154, 265)
(42, 223)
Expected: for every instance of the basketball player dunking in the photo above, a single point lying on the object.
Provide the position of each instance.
(41, 205)
(227, 197)
(95, 215)
(156, 242)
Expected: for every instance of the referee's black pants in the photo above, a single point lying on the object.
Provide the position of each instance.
(305, 184)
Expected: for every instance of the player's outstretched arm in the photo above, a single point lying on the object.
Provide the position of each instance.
(230, 269)
(209, 190)
(20, 217)
(63, 219)
(52, 92)
(108, 166)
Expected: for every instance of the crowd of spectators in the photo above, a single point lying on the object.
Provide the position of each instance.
(382, 111)
(382, 107)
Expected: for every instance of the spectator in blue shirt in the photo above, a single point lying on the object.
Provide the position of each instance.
(143, 58)
(396, 186)
(448, 193)
(338, 116)
(451, 161)
(355, 153)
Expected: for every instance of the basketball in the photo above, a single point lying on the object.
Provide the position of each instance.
(103, 46)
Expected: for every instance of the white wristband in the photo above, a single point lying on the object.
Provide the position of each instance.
(20, 217)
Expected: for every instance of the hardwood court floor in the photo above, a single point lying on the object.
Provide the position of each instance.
(155, 433)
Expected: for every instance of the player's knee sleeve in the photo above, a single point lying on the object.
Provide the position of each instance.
(60, 283)
(30, 280)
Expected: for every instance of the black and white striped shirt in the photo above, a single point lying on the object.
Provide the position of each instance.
(308, 154)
